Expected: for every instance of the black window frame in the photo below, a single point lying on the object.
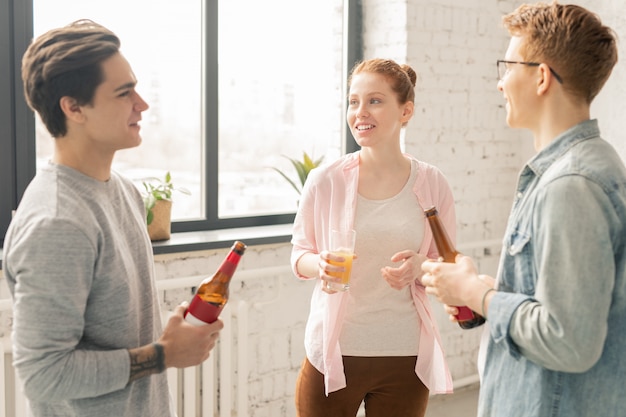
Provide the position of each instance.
(17, 122)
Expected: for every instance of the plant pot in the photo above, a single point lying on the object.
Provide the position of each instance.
(160, 228)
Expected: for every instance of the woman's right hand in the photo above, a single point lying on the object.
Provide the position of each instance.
(325, 267)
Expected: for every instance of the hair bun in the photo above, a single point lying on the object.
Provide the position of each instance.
(411, 73)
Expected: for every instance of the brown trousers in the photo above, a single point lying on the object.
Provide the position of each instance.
(388, 385)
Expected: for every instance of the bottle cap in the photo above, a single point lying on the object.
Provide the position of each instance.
(430, 211)
(239, 247)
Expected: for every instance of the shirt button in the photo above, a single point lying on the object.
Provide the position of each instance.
(520, 194)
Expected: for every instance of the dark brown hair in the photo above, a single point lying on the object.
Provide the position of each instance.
(65, 62)
(571, 40)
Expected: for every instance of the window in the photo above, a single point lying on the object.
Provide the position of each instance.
(233, 88)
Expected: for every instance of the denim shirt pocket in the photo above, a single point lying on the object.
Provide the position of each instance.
(519, 270)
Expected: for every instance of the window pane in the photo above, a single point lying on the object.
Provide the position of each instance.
(162, 40)
(280, 94)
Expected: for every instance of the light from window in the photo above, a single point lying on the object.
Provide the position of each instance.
(280, 78)
(280, 71)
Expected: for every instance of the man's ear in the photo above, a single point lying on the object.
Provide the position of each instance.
(544, 79)
(72, 110)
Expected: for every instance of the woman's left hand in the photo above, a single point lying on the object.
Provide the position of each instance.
(407, 272)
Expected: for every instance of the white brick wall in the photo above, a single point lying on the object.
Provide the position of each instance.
(278, 309)
(610, 105)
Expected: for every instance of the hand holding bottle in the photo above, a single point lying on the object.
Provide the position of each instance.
(192, 331)
(466, 317)
(187, 345)
(449, 282)
(454, 311)
(455, 284)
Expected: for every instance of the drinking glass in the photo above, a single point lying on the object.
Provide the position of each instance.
(342, 244)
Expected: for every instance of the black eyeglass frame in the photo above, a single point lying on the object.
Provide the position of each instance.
(531, 64)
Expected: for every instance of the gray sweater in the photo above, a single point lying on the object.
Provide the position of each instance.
(79, 265)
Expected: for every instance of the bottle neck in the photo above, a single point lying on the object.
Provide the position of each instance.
(230, 263)
(442, 240)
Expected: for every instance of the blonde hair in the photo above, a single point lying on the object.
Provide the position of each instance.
(571, 40)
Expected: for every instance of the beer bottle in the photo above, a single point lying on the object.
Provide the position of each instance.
(466, 318)
(212, 294)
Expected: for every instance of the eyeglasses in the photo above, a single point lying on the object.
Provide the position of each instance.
(503, 69)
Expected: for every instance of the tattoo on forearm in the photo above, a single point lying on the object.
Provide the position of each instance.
(144, 362)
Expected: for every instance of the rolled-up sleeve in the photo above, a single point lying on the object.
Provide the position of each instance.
(303, 234)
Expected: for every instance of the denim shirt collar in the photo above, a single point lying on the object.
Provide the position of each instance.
(561, 144)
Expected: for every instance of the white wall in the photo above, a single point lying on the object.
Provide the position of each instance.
(278, 307)
(610, 105)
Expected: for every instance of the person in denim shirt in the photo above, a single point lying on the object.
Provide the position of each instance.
(556, 312)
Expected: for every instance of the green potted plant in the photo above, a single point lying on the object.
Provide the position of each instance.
(157, 199)
(303, 167)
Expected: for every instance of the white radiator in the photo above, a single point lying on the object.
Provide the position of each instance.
(202, 391)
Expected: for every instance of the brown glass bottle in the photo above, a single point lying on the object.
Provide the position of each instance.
(466, 318)
(212, 294)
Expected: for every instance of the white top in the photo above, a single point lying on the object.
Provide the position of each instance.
(380, 320)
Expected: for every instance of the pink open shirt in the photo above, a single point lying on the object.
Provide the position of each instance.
(328, 202)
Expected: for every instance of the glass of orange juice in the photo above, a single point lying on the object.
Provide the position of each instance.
(342, 244)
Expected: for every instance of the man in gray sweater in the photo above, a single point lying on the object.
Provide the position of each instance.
(87, 335)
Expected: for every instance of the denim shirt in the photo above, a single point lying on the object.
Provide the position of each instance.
(557, 324)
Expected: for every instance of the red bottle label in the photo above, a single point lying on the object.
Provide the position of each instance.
(465, 313)
(202, 310)
(229, 265)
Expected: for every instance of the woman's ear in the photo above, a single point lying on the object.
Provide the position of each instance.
(407, 111)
